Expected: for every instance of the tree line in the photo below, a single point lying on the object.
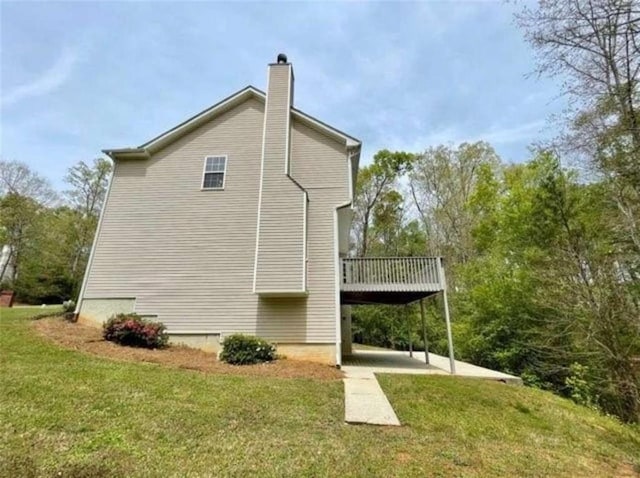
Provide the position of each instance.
(543, 256)
(48, 235)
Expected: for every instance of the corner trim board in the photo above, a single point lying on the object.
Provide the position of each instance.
(264, 137)
(287, 141)
(305, 206)
(336, 277)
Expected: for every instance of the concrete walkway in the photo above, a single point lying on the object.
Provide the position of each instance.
(365, 402)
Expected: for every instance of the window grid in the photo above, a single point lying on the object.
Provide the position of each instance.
(214, 172)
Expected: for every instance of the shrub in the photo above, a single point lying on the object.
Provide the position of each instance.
(134, 331)
(69, 306)
(239, 349)
(580, 385)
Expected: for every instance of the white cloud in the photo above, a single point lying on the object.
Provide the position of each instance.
(500, 137)
(49, 81)
(510, 134)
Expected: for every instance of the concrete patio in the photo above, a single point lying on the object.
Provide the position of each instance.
(393, 361)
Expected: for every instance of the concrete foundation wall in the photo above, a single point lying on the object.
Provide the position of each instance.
(205, 342)
(321, 353)
(97, 311)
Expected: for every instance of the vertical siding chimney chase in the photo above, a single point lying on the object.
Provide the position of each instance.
(277, 110)
(280, 241)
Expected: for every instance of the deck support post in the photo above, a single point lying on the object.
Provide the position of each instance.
(424, 332)
(410, 329)
(452, 361)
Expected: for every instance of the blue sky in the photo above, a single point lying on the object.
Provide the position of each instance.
(78, 77)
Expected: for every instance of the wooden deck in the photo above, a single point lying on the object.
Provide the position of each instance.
(390, 280)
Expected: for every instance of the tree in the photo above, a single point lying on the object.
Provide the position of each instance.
(594, 47)
(382, 228)
(594, 254)
(88, 186)
(584, 283)
(18, 217)
(17, 178)
(547, 294)
(373, 181)
(86, 197)
(45, 275)
(50, 245)
(443, 181)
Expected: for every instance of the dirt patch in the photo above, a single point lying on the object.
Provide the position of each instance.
(628, 470)
(403, 458)
(89, 339)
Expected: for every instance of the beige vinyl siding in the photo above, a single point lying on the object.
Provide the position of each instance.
(319, 164)
(187, 255)
(280, 261)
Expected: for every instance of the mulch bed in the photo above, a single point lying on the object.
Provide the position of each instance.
(89, 339)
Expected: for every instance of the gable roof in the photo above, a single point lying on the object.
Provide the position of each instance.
(145, 150)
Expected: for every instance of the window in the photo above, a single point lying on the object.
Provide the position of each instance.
(215, 168)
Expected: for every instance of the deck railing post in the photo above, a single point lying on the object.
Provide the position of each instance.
(395, 270)
(435, 276)
(412, 268)
(452, 361)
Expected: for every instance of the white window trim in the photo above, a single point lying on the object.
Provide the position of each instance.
(224, 173)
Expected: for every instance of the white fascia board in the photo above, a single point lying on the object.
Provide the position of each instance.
(146, 149)
(330, 131)
(199, 119)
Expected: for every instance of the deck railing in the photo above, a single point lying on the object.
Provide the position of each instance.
(392, 273)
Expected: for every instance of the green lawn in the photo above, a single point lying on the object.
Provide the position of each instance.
(63, 411)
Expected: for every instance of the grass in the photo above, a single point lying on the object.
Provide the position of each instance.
(65, 413)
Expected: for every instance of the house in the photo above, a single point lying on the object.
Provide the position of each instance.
(237, 220)
(6, 268)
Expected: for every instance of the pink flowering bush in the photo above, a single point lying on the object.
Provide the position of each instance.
(134, 331)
